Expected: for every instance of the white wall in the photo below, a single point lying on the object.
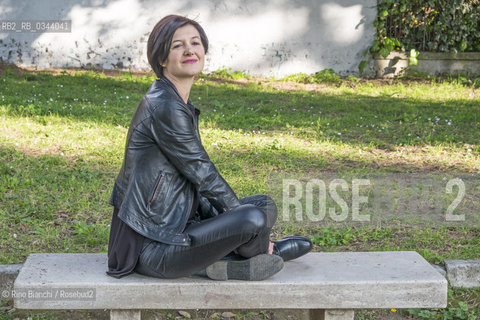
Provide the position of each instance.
(269, 38)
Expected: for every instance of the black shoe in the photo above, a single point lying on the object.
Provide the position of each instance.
(259, 267)
(292, 247)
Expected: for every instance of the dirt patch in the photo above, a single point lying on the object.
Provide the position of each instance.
(265, 82)
(58, 71)
(13, 68)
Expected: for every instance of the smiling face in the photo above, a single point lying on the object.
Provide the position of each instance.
(187, 54)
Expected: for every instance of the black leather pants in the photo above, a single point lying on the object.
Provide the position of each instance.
(245, 229)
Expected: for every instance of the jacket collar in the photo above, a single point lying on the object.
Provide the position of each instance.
(171, 85)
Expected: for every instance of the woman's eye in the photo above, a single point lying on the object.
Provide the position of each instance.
(177, 46)
(196, 43)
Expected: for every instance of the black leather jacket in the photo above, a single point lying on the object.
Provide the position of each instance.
(165, 164)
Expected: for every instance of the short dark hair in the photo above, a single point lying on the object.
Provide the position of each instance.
(160, 39)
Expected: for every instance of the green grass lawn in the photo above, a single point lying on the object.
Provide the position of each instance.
(62, 138)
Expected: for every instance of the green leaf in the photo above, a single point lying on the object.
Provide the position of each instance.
(384, 52)
(412, 61)
(362, 66)
(375, 46)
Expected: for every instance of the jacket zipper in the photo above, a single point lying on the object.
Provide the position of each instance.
(156, 189)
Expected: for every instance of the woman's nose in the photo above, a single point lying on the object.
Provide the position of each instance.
(188, 50)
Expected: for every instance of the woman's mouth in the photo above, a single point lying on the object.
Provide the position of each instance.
(190, 61)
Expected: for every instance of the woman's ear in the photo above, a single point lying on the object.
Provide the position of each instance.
(162, 63)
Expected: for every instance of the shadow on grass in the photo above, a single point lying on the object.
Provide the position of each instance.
(52, 204)
(359, 119)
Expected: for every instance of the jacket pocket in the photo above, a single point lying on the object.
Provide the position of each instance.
(158, 184)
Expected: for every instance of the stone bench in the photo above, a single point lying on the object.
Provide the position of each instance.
(330, 285)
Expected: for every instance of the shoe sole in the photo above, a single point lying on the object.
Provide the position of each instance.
(259, 267)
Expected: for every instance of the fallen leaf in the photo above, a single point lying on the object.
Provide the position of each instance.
(228, 315)
(184, 314)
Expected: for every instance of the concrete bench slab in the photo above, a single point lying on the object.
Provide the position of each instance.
(463, 273)
(340, 281)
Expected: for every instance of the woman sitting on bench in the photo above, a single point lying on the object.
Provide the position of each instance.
(174, 214)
